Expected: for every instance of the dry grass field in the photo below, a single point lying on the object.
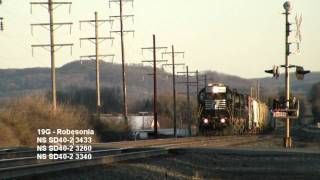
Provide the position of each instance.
(20, 118)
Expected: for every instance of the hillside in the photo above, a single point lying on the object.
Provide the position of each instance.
(15, 82)
(299, 87)
(75, 74)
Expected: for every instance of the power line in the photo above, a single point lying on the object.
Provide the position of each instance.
(173, 53)
(96, 40)
(1, 20)
(188, 82)
(154, 49)
(51, 26)
(124, 71)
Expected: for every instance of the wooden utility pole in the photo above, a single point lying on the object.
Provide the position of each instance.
(52, 54)
(197, 79)
(97, 62)
(96, 40)
(188, 83)
(52, 27)
(1, 20)
(188, 103)
(124, 70)
(155, 95)
(1, 24)
(173, 54)
(154, 49)
(205, 80)
(201, 78)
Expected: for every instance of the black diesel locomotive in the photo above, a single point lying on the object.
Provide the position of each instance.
(224, 110)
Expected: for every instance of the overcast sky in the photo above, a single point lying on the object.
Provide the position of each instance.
(239, 37)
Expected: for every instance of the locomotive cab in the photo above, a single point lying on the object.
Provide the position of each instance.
(213, 102)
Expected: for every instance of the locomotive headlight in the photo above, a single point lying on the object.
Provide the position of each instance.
(206, 121)
(222, 120)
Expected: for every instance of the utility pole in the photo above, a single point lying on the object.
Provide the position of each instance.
(52, 27)
(197, 79)
(154, 49)
(188, 103)
(205, 81)
(188, 82)
(1, 24)
(96, 40)
(1, 20)
(258, 90)
(201, 78)
(124, 70)
(197, 82)
(173, 53)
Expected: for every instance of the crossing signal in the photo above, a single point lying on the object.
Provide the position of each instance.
(274, 71)
(300, 72)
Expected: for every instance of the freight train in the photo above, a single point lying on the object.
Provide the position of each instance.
(222, 110)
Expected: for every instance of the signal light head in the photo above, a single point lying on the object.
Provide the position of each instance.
(287, 6)
(274, 71)
(300, 72)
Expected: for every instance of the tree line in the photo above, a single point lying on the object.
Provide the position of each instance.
(111, 98)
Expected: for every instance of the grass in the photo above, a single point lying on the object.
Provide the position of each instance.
(21, 117)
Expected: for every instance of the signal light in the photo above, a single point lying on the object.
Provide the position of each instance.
(274, 71)
(300, 72)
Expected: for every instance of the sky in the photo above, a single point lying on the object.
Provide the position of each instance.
(238, 37)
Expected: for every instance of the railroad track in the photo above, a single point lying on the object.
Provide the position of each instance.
(174, 141)
(123, 151)
(47, 167)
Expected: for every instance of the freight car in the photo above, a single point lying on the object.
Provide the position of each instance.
(222, 110)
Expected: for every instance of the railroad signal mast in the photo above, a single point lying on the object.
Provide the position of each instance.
(154, 49)
(52, 27)
(97, 40)
(173, 54)
(122, 32)
(300, 72)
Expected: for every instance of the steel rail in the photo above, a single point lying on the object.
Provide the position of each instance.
(35, 169)
(4, 163)
(20, 167)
